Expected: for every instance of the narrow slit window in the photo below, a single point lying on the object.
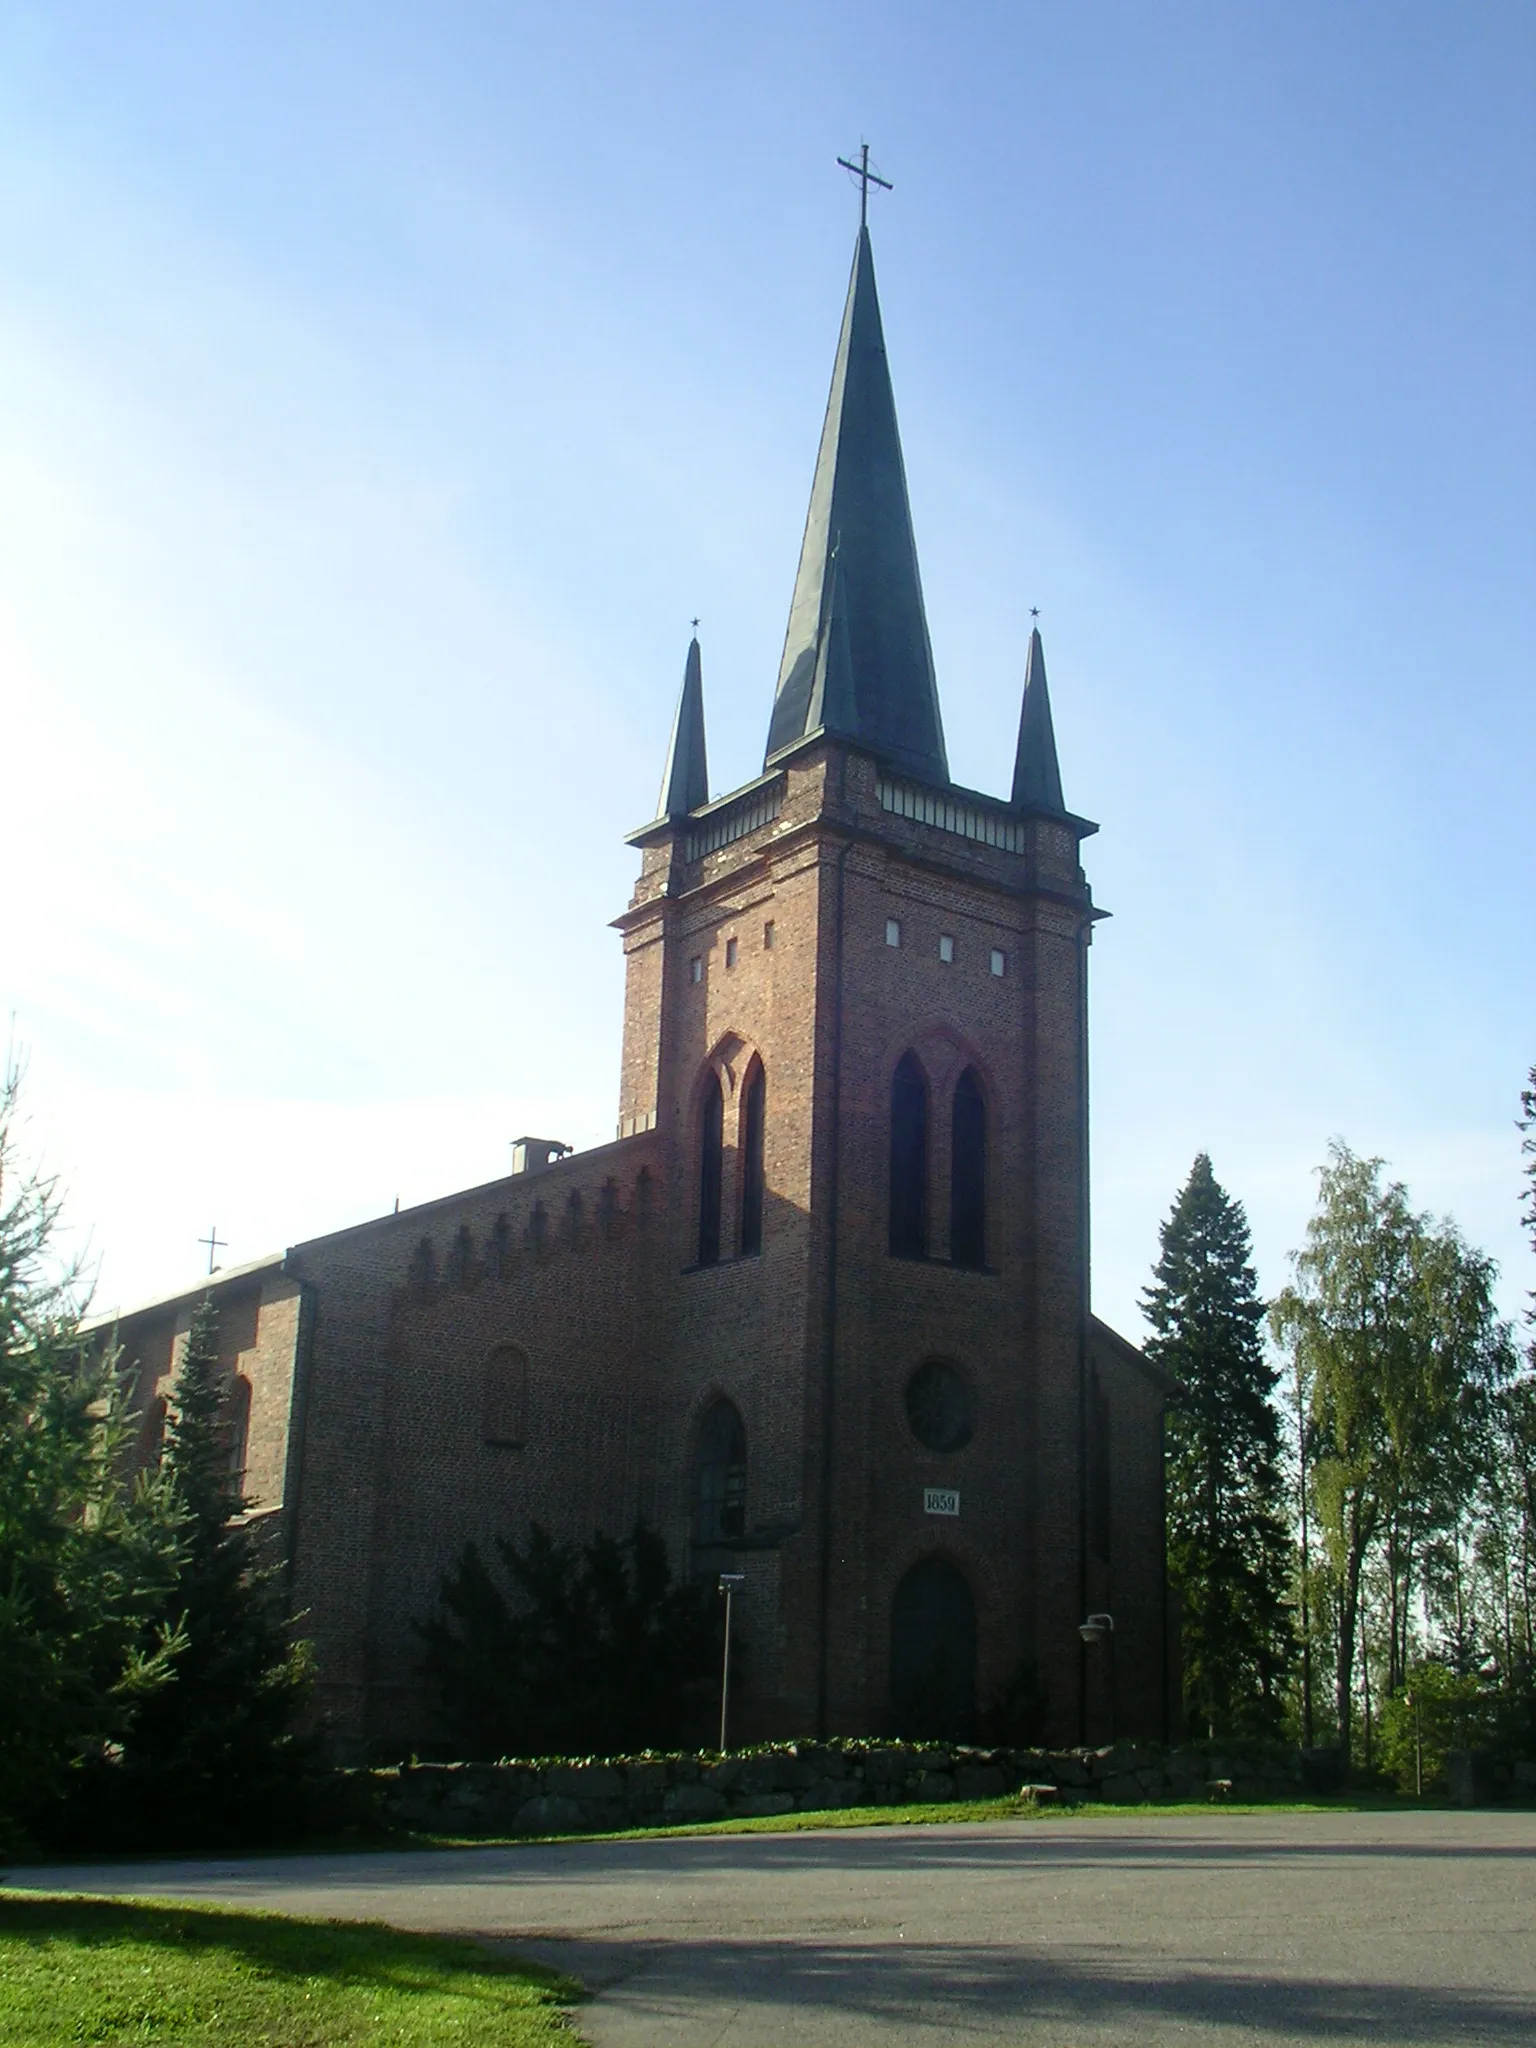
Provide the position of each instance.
(720, 1476)
(999, 962)
(768, 936)
(730, 952)
(696, 967)
(1100, 1495)
(946, 949)
(237, 1414)
(711, 1144)
(893, 931)
(752, 1115)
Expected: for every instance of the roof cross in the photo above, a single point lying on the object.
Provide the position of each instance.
(214, 1243)
(866, 178)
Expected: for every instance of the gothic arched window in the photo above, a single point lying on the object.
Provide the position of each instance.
(711, 1143)
(909, 1159)
(968, 1174)
(754, 1105)
(504, 1396)
(720, 1476)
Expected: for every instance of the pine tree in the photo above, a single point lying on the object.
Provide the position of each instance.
(214, 1757)
(1229, 1553)
(84, 1556)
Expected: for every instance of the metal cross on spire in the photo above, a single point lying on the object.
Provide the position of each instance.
(214, 1243)
(866, 178)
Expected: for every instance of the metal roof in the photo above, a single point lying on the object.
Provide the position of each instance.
(857, 659)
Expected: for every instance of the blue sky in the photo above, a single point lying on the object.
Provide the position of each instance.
(386, 387)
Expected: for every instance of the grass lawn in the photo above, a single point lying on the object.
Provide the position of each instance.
(1007, 1808)
(77, 1972)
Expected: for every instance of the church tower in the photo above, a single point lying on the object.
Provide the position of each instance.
(856, 1022)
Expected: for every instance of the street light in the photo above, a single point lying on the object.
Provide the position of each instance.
(1100, 1628)
(729, 1581)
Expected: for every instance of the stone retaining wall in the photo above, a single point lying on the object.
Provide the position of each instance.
(574, 1797)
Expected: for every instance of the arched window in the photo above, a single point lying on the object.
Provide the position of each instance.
(968, 1174)
(237, 1424)
(752, 1110)
(909, 1160)
(711, 1141)
(504, 1396)
(933, 1654)
(720, 1476)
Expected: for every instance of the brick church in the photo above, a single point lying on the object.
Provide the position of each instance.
(820, 1313)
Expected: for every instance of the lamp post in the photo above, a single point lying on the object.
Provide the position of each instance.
(1411, 1699)
(729, 1581)
(1099, 1629)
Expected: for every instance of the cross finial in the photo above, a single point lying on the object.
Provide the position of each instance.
(866, 178)
(214, 1243)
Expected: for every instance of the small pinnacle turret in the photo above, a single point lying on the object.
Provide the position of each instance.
(1036, 774)
(685, 785)
(857, 660)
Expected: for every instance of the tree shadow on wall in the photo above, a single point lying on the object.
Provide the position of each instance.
(580, 1650)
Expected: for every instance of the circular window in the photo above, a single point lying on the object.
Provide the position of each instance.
(939, 1407)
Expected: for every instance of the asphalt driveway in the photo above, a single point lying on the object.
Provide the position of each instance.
(1276, 1930)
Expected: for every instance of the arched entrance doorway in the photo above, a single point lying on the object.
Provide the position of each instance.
(933, 1653)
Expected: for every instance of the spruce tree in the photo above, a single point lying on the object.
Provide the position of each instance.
(84, 1555)
(213, 1757)
(1229, 1553)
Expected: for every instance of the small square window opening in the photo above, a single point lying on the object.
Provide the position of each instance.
(730, 952)
(999, 962)
(696, 968)
(768, 936)
(893, 931)
(946, 949)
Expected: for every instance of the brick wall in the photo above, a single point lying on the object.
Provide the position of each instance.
(258, 1321)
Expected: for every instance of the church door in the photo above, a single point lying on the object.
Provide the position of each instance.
(933, 1653)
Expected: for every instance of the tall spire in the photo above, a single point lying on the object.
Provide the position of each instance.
(856, 657)
(685, 785)
(1036, 775)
